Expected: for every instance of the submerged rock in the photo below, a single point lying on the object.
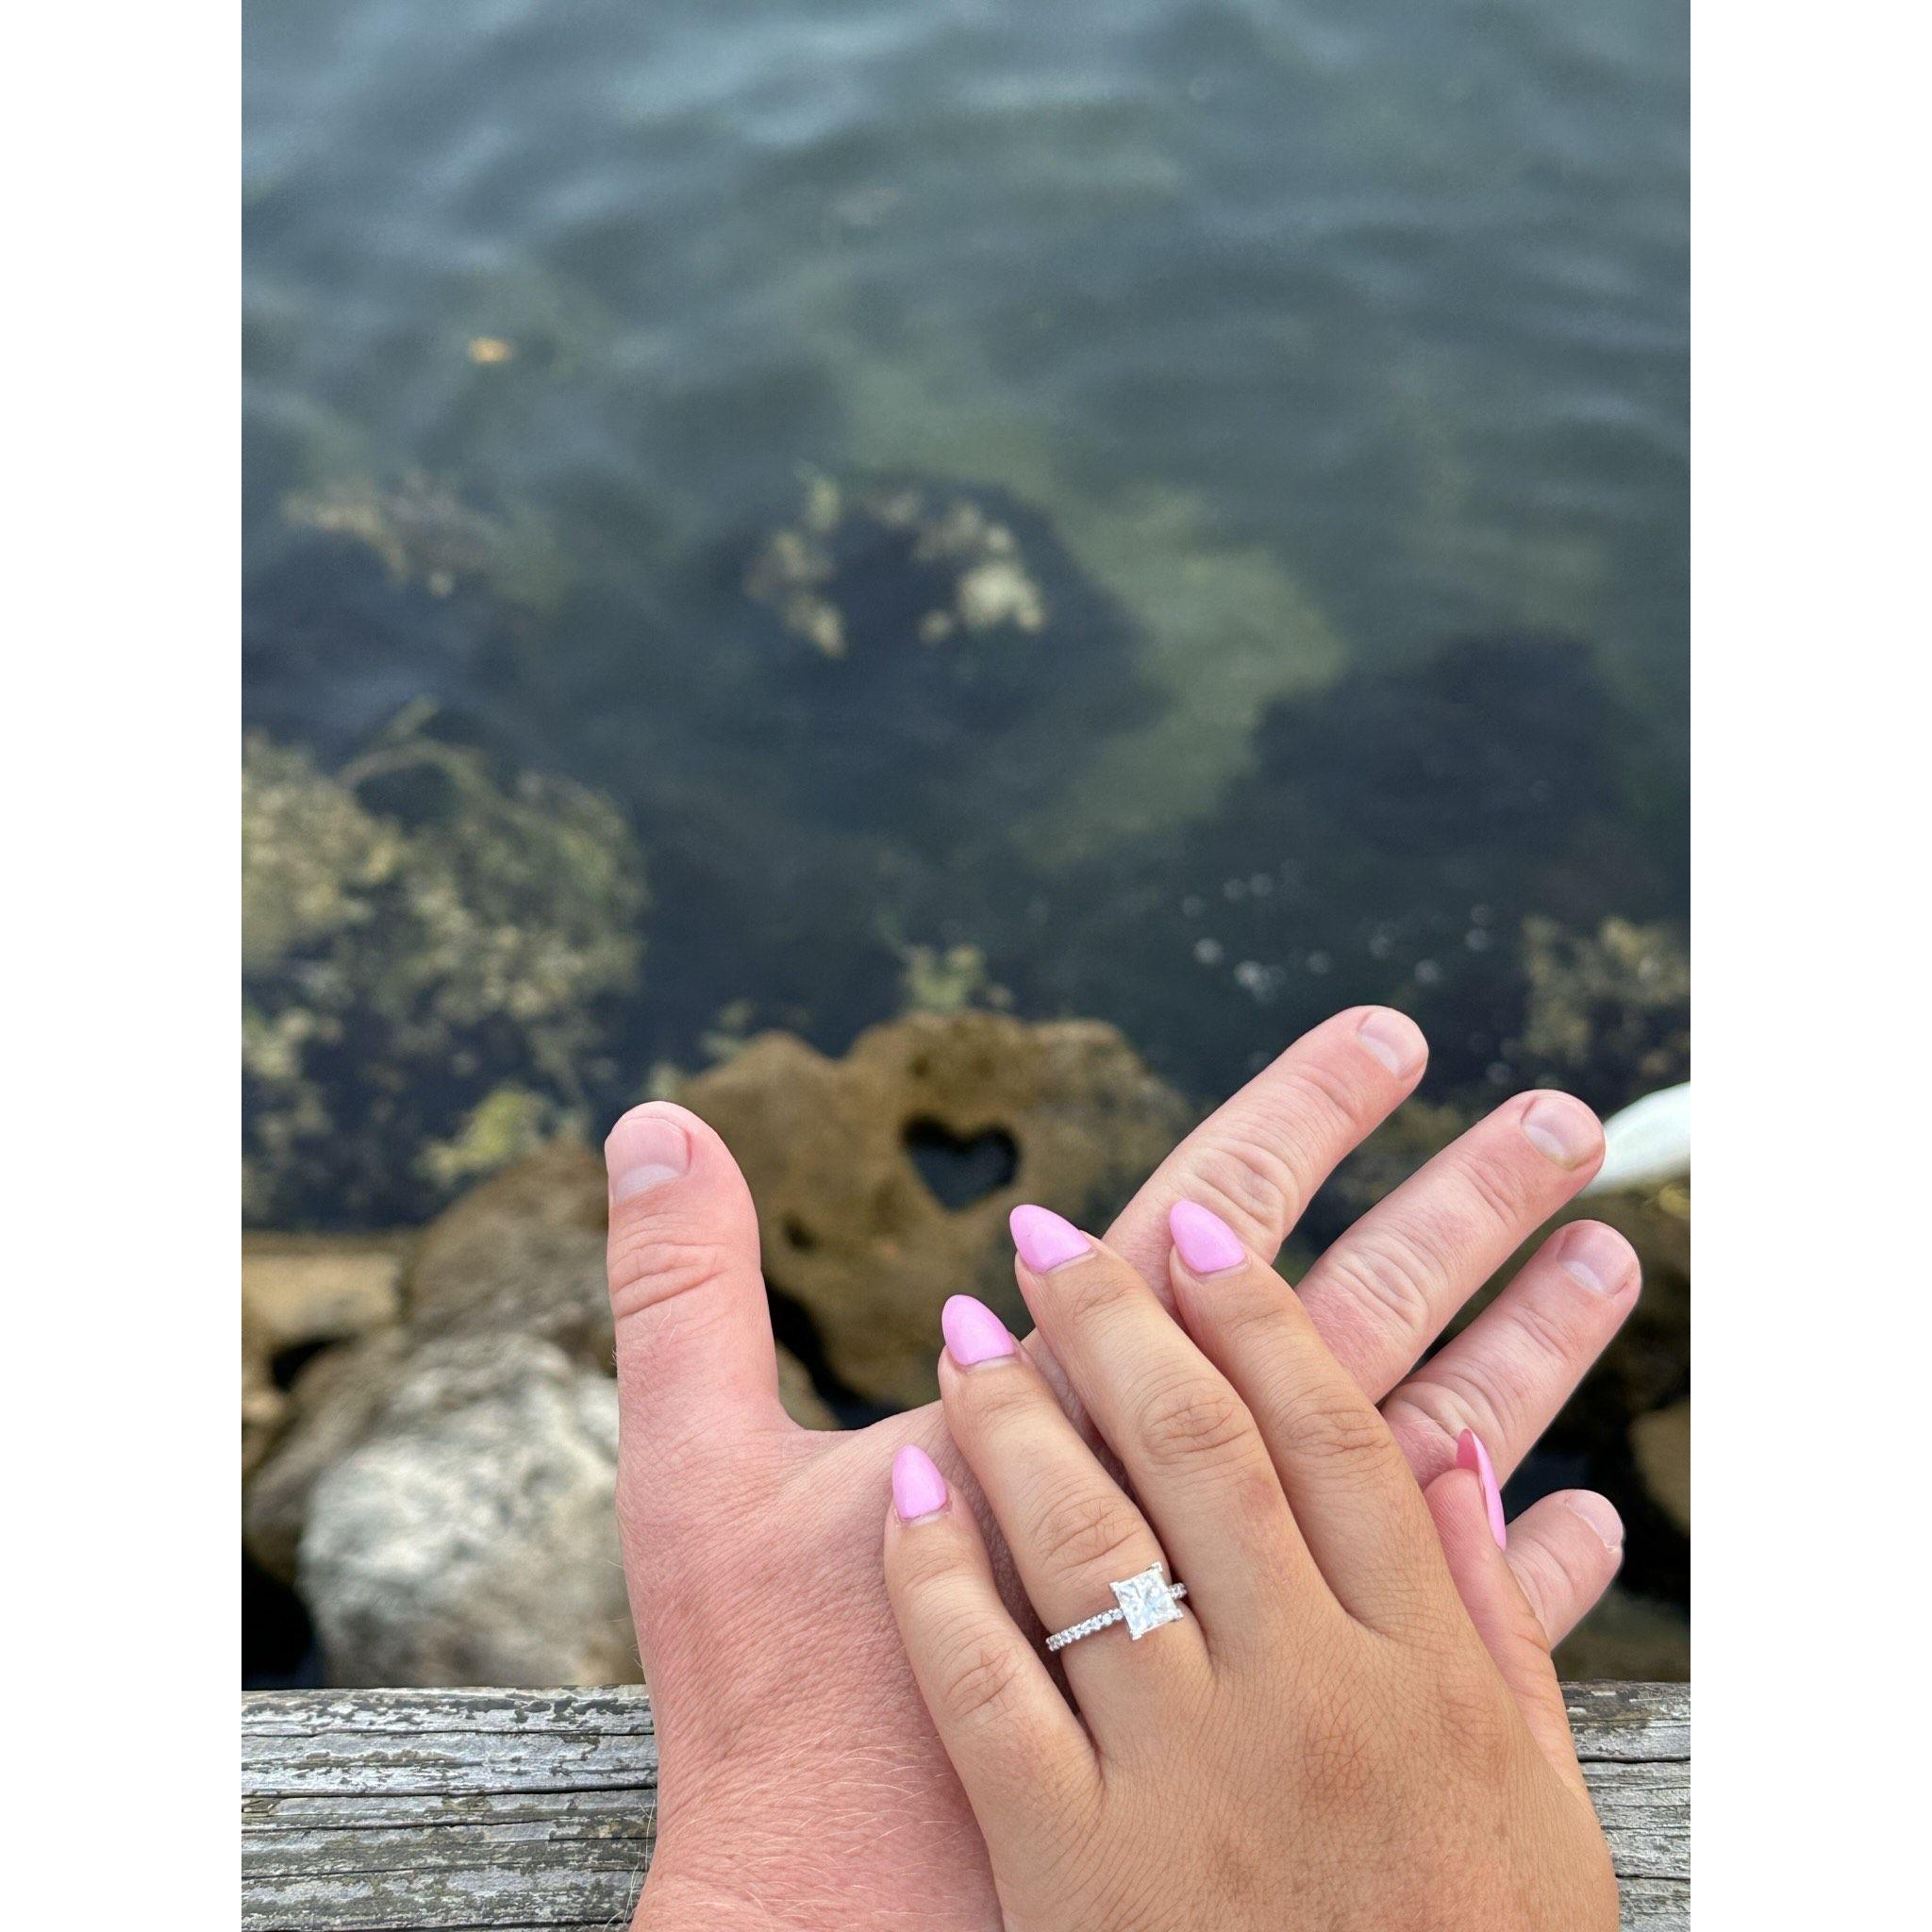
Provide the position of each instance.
(914, 645)
(1612, 1006)
(425, 533)
(883, 1179)
(430, 951)
(882, 569)
(1394, 833)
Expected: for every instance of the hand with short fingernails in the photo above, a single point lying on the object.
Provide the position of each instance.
(802, 1784)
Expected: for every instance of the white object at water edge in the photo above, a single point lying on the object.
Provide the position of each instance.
(1647, 1143)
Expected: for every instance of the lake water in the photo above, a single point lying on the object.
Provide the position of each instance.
(1168, 513)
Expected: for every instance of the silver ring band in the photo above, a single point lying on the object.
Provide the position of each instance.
(1142, 1602)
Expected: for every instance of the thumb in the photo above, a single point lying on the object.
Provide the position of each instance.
(694, 1353)
(1468, 1509)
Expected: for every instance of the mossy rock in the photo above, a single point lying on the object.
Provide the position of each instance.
(433, 950)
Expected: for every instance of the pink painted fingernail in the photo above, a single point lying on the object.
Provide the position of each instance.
(1204, 1243)
(1470, 1453)
(918, 1487)
(1394, 1038)
(973, 1333)
(644, 1149)
(1563, 1129)
(1044, 1240)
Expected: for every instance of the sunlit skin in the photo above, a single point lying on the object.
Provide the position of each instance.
(1355, 1725)
(802, 1782)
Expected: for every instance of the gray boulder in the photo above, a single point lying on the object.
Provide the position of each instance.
(468, 1536)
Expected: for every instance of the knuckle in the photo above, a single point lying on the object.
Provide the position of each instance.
(1089, 1290)
(1548, 1336)
(1449, 1395)
(989, 1401)
(1086, 1532)
(1388, 1276)
(925, 1571)
(978, 1679)
(648, 1268)
(1261, 1185)
(1191, 1418)
(1497, 1187)
(1318, 1088)
(1331, 1432)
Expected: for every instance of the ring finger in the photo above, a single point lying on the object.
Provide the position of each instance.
(1071, 1528)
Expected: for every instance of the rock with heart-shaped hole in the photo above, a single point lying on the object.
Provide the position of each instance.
(883, 1179)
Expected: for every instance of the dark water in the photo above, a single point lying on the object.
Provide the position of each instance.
(1326, 361)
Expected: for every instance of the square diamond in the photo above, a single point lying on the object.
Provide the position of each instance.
(1146, 1601)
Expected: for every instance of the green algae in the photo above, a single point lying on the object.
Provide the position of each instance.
(426, 532)
(1226, 628)
(432, 951)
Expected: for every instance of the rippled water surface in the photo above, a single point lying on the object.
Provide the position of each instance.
(1326, 362)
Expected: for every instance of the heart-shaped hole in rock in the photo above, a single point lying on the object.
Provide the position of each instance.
(960, 1170)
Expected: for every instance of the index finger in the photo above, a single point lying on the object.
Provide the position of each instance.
(1259, 1157)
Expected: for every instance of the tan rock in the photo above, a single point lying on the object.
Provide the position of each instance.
(1661, 1442)
(999, 1111)
(801, 1401)
(523, 1251)
(301, 1292)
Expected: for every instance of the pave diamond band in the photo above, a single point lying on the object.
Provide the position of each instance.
(1142, 1602)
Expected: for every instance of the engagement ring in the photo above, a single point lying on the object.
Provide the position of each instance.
(1143, 1603)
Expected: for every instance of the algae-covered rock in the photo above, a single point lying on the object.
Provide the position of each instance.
(883, 1179)
(431, 952)
(877, 570)
(912, 650)
(1395, 832)
(425, 533)
(1612, 1005)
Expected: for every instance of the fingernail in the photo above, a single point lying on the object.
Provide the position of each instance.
(1204, 1243)
(1600, 1513)
(1597, 1256)
(1394, 1038)
(644, 1149)
(1564, 1129)
(1470, 1453)
(918, 1487)
(1044, 1240)
(973, 1333)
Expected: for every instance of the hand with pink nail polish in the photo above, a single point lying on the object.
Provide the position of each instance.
(1351, 1723)
(801, 1783)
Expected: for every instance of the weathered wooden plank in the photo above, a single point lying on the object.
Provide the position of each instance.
(515, 1810)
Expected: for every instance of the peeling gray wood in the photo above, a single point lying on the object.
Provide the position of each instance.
(457, 1811)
